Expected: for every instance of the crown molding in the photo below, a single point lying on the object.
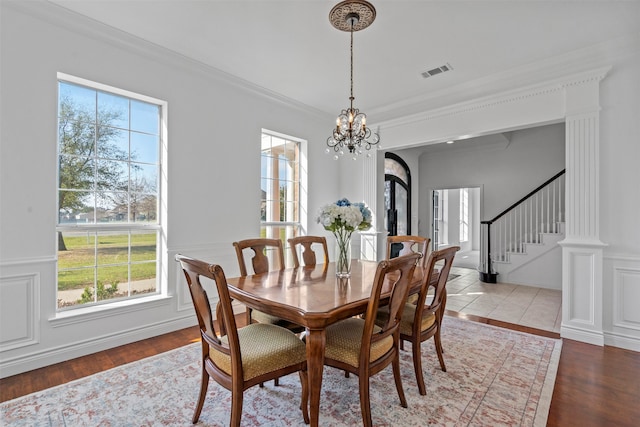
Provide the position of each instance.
(539, 89)
(588, 58)
(87, 27)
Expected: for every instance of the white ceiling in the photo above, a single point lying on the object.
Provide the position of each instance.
(290, 48)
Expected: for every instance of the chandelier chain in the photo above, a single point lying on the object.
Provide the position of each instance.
(351, 47)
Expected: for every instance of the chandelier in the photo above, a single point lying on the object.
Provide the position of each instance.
(351, 131)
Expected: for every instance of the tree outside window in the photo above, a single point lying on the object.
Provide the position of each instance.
(108, 182)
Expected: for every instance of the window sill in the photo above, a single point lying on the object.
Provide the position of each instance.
(82, 315)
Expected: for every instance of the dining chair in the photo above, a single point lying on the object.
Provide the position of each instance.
(306, 245)
(363, 348)
(403, 245)
(263, 263)
(243, 357)
(267, 255)
(421, 321)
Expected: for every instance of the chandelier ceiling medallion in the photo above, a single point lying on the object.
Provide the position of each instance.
(351, 131)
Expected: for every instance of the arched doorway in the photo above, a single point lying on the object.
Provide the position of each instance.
(397, 196)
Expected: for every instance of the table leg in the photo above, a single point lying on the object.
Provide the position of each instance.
(315, 364)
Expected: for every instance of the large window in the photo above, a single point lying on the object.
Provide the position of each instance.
(109, 162)
(280, 188)
(464, 214)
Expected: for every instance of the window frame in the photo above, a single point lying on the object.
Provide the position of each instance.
(291, 228)
(464, 215)
(130, 228)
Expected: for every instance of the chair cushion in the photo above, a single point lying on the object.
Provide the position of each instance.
(344, 340)
(261, 317)
(264, 348)
(412, 299)
(406, 322)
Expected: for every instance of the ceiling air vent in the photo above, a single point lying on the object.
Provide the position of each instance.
(437, 70)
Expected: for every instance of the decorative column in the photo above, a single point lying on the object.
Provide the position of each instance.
(369, 240)
(582, 250)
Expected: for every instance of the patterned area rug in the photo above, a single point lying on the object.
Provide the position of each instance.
(495, 377)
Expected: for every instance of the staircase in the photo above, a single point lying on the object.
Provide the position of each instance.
(521, 243)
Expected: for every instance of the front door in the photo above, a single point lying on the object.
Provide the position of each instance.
(397, 198)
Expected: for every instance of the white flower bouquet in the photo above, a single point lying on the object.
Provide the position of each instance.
(342, 218)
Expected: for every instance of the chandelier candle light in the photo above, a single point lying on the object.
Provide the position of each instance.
(351, 131)
(342, 218)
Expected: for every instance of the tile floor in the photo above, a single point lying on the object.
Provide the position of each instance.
(522, 305)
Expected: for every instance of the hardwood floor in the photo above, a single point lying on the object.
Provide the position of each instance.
(595, 386)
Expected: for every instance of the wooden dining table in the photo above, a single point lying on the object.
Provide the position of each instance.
(314, 298)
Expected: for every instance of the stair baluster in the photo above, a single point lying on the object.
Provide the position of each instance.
(509, 231)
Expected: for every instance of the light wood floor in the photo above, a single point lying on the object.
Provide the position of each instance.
(595, 386)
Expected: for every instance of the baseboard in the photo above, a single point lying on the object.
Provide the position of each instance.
(622, 341)
(582, 335)
(33, 361)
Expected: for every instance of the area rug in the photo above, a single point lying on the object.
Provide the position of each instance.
(495, 377)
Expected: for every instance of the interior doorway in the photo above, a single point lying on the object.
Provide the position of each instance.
(397, 198)
(456, 222)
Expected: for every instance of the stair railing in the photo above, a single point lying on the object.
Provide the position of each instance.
(540, 211)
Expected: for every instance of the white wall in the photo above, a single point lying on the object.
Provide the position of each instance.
(214, 124)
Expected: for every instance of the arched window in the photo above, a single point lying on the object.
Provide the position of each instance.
(397, 195)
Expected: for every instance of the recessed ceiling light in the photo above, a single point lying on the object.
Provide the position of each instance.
(449, 142)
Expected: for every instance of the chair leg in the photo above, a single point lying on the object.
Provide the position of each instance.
(276, 382)
(365, 402)
(204, 385)
(237, 395)
(439, 350)
(417, 364)
(398, 379)
(304, 404)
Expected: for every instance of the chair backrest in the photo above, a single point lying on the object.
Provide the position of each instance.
(393, 275)
(193, 270)
(444, 258)
(260, 259)
(403, 245)
(308, 254)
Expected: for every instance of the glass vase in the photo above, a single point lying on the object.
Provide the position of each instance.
(343, 257)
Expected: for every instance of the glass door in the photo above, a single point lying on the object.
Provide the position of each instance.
(397, 197)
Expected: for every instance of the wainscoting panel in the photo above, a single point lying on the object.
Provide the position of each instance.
(622, 301)
(582, 291)
(626, 292)
(581, 284)
(19, 311)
